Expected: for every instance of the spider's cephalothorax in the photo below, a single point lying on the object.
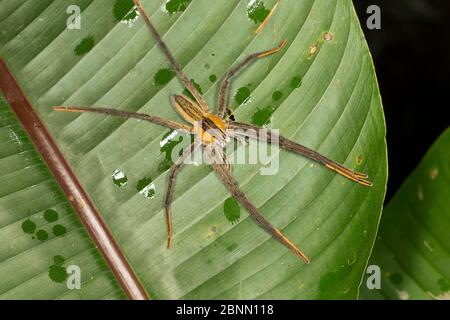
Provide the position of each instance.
(210, 130)
(208, 127)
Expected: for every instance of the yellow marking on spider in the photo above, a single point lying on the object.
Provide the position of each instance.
(355, 177)
(274, 50)
(293, 248)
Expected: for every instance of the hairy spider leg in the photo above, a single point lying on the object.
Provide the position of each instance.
(173, 62)
(126, 114)
(172, 175)
(222, 100)
(252, 131)
(231, 184)
(267, 17)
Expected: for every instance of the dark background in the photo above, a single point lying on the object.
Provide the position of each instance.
(411, 53)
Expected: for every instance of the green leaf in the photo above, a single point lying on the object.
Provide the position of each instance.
(329, 101)
(34, 257)
(413, 246)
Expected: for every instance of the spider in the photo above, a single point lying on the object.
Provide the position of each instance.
(213, 131)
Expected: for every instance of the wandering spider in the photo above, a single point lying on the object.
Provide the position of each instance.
(213, 131)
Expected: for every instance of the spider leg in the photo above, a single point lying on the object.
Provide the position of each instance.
(233, 71)
(172, 175)
(223, 172)
(126, 114)
(252, 131)
(268, 17)
(173, 62)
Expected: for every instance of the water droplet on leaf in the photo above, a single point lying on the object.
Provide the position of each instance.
(242, 95)
(85, 46)
(396, 279)
(232, 210)
(58, 260)
(57, 273)
(277, 95)
(41, 235)
(163, 76)
(173, 6)
(146, 187)
(119, 178)
(50, 215)
(296, 82)
(257, 12)
(213, 78)
(167, 144)
(28, 226)
(124, 10)
(262, 116)
(59, 230)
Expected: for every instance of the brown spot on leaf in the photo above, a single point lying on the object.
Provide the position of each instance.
(359, 159)
(328, 36)
(313, 50)
(434, 173)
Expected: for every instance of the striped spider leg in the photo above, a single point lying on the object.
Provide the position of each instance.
(245, 130)
(222, 170)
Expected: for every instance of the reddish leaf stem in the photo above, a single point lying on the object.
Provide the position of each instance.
(69, 183)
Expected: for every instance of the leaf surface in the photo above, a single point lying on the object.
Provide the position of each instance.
(320, 91)
(41, 235)
(413, 245)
